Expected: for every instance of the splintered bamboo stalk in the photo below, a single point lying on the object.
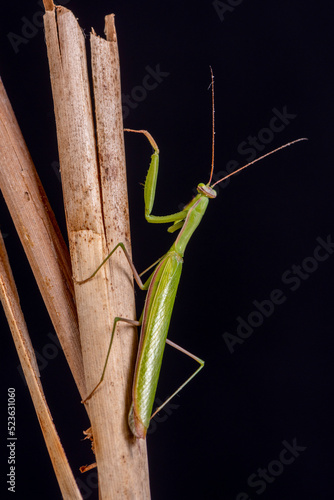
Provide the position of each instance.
(121, 460)
(40, 236)
(11, 304)
(110, 139)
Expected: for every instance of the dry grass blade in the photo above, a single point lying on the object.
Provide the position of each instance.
(11, 304)
(39, 234)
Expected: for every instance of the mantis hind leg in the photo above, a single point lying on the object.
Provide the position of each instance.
(199, 361)
(116, 320)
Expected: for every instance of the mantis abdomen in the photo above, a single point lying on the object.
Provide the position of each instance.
(156, 318)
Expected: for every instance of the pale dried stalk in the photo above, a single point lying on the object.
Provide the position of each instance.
(11, 304)
(39, 235)
(121, 460)
(110, 138)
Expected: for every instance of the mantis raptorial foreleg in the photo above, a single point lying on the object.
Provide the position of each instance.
(150, 186)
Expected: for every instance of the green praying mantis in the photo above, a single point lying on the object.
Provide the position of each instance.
(161, 288)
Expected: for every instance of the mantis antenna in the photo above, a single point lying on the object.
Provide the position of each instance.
(213, 142)
(261, 158)
(213, 125)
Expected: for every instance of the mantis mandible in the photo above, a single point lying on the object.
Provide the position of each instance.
(161, 288)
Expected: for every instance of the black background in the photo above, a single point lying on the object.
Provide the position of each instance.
(277, 385)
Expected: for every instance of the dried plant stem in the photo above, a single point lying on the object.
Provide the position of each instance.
(39, 235)
(110, 138)
(121, 460)
(11, 304)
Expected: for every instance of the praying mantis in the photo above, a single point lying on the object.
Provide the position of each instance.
(161, 288)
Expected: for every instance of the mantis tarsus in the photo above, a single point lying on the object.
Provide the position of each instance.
(161, 289)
